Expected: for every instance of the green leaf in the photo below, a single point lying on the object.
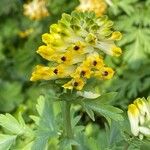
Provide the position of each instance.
(135, 42)
(46, 124)
(46, 114)
(28, 146)
(74, 123)
(105, 110)
(93, 144)
(40, 143)
(100, 105)
(88, 111)
(6, 141)
(75, 120)
(106, 98)
(11, 124)
(119, 6)
(65, 144)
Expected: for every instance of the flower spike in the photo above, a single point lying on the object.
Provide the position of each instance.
(75, 45)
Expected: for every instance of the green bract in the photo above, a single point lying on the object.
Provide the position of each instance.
(86, 26)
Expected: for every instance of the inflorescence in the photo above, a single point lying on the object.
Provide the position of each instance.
(36, 9)
(98, 6)
(74, 47)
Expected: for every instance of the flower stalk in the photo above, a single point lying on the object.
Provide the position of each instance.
(66, 106)
(67, 120)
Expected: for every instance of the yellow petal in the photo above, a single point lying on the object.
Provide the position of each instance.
(46, 38)
(76, 83)
(82, 71)
(116, 36)
(63, 71)
(109, 48)
(105, 73)
(46, 52)
(142, 105)
(68, 85)
(133, 114)
(116, 51)
(94, 61)
(41, 73)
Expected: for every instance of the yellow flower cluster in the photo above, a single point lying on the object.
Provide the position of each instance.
(74, 51)
(36, 9)
(139, 117)
(98, 6)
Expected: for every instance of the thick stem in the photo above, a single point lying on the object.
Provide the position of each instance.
(67, 121)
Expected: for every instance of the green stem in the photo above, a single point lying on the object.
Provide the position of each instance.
(67, 121)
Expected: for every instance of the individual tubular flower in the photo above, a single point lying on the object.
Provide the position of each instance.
(98, 6)
(139, 117)
(41, 72)
(76, 83)
(105, 73)
(36, 9)
(74, 45)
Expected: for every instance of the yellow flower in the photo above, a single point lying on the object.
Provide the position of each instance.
(109, 48)
(142, 106)
(139, 117)
(41, 72)
(76, 83)
(66, 58)
(24, 34)
(36, 9)
(133, 114)
(98, 6)
(52, 39)
(63, 71)
(78, 48)
(46, 52)
(59, 29)
(105, 73)
(70, 58)
(94, 60)
(82, 71)
(116, 35)
(116, 51)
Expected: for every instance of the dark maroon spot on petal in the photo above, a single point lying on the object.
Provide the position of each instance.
(105, 73)
(94, 62)
(76, 83)
(83, 73)
(56, 71)
(63, 58)
(76, 48)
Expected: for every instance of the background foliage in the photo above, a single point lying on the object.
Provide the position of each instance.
(18, 96)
